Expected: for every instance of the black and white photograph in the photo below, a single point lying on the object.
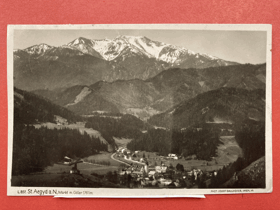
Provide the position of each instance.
(128, 110)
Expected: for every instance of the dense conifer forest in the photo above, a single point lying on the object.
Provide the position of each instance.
(34, 149)
(202, 143)
(126, 126)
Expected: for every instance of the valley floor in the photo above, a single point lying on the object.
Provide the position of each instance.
(105, 162)
(94, 163)
(227, 152)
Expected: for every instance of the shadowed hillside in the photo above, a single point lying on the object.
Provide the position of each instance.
(158, 94)
(31, 108)
(222, 106)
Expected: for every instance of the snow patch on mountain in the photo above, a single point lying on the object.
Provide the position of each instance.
(174, 54)
(209, 56)
(201, 83)
(219, 120)
(124, 46)
(109, 49)
(172, 111)
(146, 45)
(142, 113)
(38, 49)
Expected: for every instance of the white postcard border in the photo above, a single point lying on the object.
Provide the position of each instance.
(137, 193)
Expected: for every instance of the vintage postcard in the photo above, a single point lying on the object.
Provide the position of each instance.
(149, 110)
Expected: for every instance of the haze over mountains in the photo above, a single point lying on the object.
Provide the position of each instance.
(84, 62)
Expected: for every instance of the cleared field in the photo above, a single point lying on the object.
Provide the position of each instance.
(85, 168)
(78, 126)
(104, 156)
(229, 151)
(88, 168)
(121, 142)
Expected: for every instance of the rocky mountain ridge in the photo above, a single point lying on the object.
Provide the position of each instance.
(84, 62)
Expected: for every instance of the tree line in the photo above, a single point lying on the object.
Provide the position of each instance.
(202, 143)
(231, 104)
(127, 126)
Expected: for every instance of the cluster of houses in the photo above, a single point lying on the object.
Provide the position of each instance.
(143, 176)
(139, 174)
(60, 120)
(173, 156)
(127, 154)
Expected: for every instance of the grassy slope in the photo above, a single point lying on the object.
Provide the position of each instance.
(253, 176)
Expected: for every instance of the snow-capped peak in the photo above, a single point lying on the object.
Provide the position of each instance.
(38, 49)
(143, 44)
(111, 49)
(124, 46)
(129, 37)
(80, 40)
(209, 56)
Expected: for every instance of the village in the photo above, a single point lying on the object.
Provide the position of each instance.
(141, 172)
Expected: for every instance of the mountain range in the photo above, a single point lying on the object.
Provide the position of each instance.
(85, 61)
(144, 98)
(128, 74)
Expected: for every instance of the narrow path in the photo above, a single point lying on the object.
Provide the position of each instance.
(112, 157)
(134, 161)
(99, 165)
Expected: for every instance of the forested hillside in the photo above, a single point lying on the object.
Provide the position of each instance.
(31, 108)
(145, 98)
(124, 126)
(224, 105)
(202, 143)
(34, 149)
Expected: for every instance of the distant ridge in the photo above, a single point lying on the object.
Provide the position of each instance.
(145, 98)
(84, 61)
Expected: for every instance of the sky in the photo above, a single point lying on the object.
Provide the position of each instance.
(238, 46)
